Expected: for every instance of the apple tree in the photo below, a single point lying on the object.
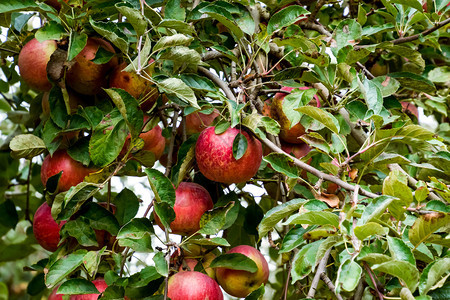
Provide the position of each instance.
(313, 132)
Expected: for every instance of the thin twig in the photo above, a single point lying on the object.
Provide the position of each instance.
(316, 172)
(330, 285)
(172, 142)
(286, 285)
(272, 244)
(320, 269)
(27, 207)
(379, 294)
(313, 14)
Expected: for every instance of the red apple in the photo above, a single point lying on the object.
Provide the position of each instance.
(45, 228)
(191, 202)
(153, 141)
(87, 77)
(136, 85)
(288, 134)
(239, 283)
(191, 260)
(214, 155)
(55, 4)
(54, 295)
(193, 286)
(197, 122)
(33, 59)
(73, 171)
(101, 286)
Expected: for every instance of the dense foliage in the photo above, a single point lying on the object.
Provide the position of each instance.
(356, 208)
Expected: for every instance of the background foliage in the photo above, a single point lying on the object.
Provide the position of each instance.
(370, 216)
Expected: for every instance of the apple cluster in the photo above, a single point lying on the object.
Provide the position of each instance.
(84, 79)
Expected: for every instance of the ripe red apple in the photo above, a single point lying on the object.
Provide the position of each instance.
(197, 122)
(45, 228)
(33, 59)
(239, 283)
(87, 77)
(193, 286)
(73, 171)
(101, 286)
(153, 141)
(288, 134)
(214, 155)
(54, 295)
(134, 84)
(55, 4)
(191, 202)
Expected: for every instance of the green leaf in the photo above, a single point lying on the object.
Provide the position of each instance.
(197, 82)
(396, 185)
(362, 18)
(234, 261)
(14, 252)
(129, 109)
(112, 32)
(315, 218)
(108, 139)
(26, 146)
(92, 260)
(282, 163)
(176, 87)
(77, 286)
(239, 146)
(294, 238)
(81, 231)
(212, 221)
(400, 251)
(410, 3)
(174, 10)
(127, 206)
(286, 17)
(102, 56)
(321, 116)
(414, 82)
(100, 218)
(172, 41)
(222, 15)
(177, 25)
(434, 273)
(276, 214)
(426, 225)
(373, 97)
(77, 42)
(369, 229)
(256, 294)
(14, 5)
(136, 235)
(182, 57)
(403, 270)
(75, 198)
(386, 84)
(293, 101)
(349, 275)
(375, 209)
(161, 264)
(134, 17)
(375, 258)
(164, 193)
(50, 31)
(348, 32)
(64, 267)
(58, 112)
(215, 241)
(304, 261)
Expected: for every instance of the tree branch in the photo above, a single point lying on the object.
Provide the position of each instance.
(330, 285)
(320, 269)
(318, 173)
(228, 92)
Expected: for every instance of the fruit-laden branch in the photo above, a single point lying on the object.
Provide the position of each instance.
(318, 173)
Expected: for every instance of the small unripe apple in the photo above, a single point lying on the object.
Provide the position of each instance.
(214, 155)
(288, 134)
(379, 70)
(193, 286)
(45, 228)
(134, 84)
(191, 202)
(239, 283)
(33, 59)
(197, 122)
(87, 77)
(73, 172)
